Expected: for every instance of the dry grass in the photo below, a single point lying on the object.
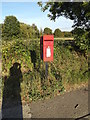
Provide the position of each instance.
(65, 38)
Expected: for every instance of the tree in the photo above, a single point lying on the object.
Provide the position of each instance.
(47, 31)
(35, 31)
(24, 31)
(27, 31)
(41, 32)
(1, 26)
(81, 38)
(77, 11)
(11, 27)
(67, 34)
(57, 33)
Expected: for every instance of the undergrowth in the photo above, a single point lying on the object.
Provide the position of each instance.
(68, 67)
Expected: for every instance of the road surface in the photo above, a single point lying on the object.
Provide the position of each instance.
(72, 104)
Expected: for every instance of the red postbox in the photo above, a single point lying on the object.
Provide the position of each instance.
(46, 47)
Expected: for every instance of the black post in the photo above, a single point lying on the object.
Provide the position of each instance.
(46, 70)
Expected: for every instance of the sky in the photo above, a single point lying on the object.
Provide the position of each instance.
(30, 12)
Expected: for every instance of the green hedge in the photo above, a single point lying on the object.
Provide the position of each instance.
(68, 67)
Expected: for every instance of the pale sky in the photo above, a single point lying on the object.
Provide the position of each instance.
(30, 12)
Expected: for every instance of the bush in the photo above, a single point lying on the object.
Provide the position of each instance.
(81, 39)
(67, 68)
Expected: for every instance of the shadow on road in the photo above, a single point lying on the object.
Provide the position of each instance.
(80, 118)
(11, 103)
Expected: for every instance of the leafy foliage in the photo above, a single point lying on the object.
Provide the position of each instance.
(25, 31)
(81, 15)
(67, 34)
(81, 38)
(68, 67)
(47, 31)
(11, 27)
(57, 33)
(79, 12)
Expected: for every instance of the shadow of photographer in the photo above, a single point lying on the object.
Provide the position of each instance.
(11, 102)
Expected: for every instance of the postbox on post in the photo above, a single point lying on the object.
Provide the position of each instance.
(46, 47)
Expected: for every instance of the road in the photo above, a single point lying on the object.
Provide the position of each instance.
(72, 104)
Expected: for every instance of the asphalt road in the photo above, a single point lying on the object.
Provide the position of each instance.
(72, 104)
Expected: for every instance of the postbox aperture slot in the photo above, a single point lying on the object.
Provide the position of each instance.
(48, 40)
